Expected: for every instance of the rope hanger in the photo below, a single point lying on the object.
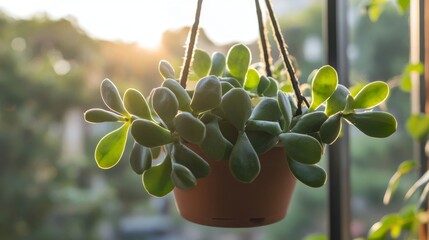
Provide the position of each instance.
(264, 47)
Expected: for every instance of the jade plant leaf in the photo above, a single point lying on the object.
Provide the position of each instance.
(98, 115)
(188, 158)
(273, 87)
(272, 128)
(374, 124)
(182, 177)
(301, 147)
(243, 161)
(323, 86)
(261, 141)
(165, 104)
(136, 104)
(311, 175)
(252, 79)
(310, 122)
(215, 145)
(226, 86)
(331, 128)
(207, 94)
(201, 63)
(189, 127)
(237, 107)
(156, 152)
(111, 97)
(263, 85)
(111, 147)
(181, 95)
(150, 134)
(285, 109)
(157, 180)
(234, 82)
(140, 158)
(166, 70)
(371, 95)
(238, 61)
(267, 109)
(218, 64)
(337, 102)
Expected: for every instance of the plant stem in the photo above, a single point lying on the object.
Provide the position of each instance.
(263, 40)
(283, 49)
(190, 48)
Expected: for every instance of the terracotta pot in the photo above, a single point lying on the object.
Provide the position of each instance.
(220, 200)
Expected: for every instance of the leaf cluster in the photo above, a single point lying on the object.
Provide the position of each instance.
(233, 114)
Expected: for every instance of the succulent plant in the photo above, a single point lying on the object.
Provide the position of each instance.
(233, 114)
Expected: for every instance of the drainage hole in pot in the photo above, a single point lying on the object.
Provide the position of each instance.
(257, 220)
(221, 219)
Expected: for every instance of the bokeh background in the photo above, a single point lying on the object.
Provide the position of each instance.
(53, 56)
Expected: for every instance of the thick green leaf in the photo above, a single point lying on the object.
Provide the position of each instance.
(337, 102)
(140, 158)
(261, 141)
(218, 64)
(238, 61)
(234, 82)
(301, 147)
(226, 86)
(285, 109)
(201, 63)
(188, 158)
(243, 161)
(273, 87)
(207, 94)
(156, 152)
(215, 145)
(355, 89)
(136, 104)
(374, 124)
(237, 107)
(263, 85)
(311, 175)
(111, 147)
(309, 122)
(267, 109)
(181, 95)
(418, 126)
(150, 134)
(252, 79)
(272, 128)
(182, 177)
(157, 180)
(165, 104)
(375, 9)
(324, 83)
(111, 97)
(166, 70)
(331, 129)
(98, 115)
(371, 95)
(189, 127)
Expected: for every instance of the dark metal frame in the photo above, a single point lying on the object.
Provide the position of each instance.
(336, 40)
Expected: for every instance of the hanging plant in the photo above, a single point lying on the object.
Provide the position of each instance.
(234, 116)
